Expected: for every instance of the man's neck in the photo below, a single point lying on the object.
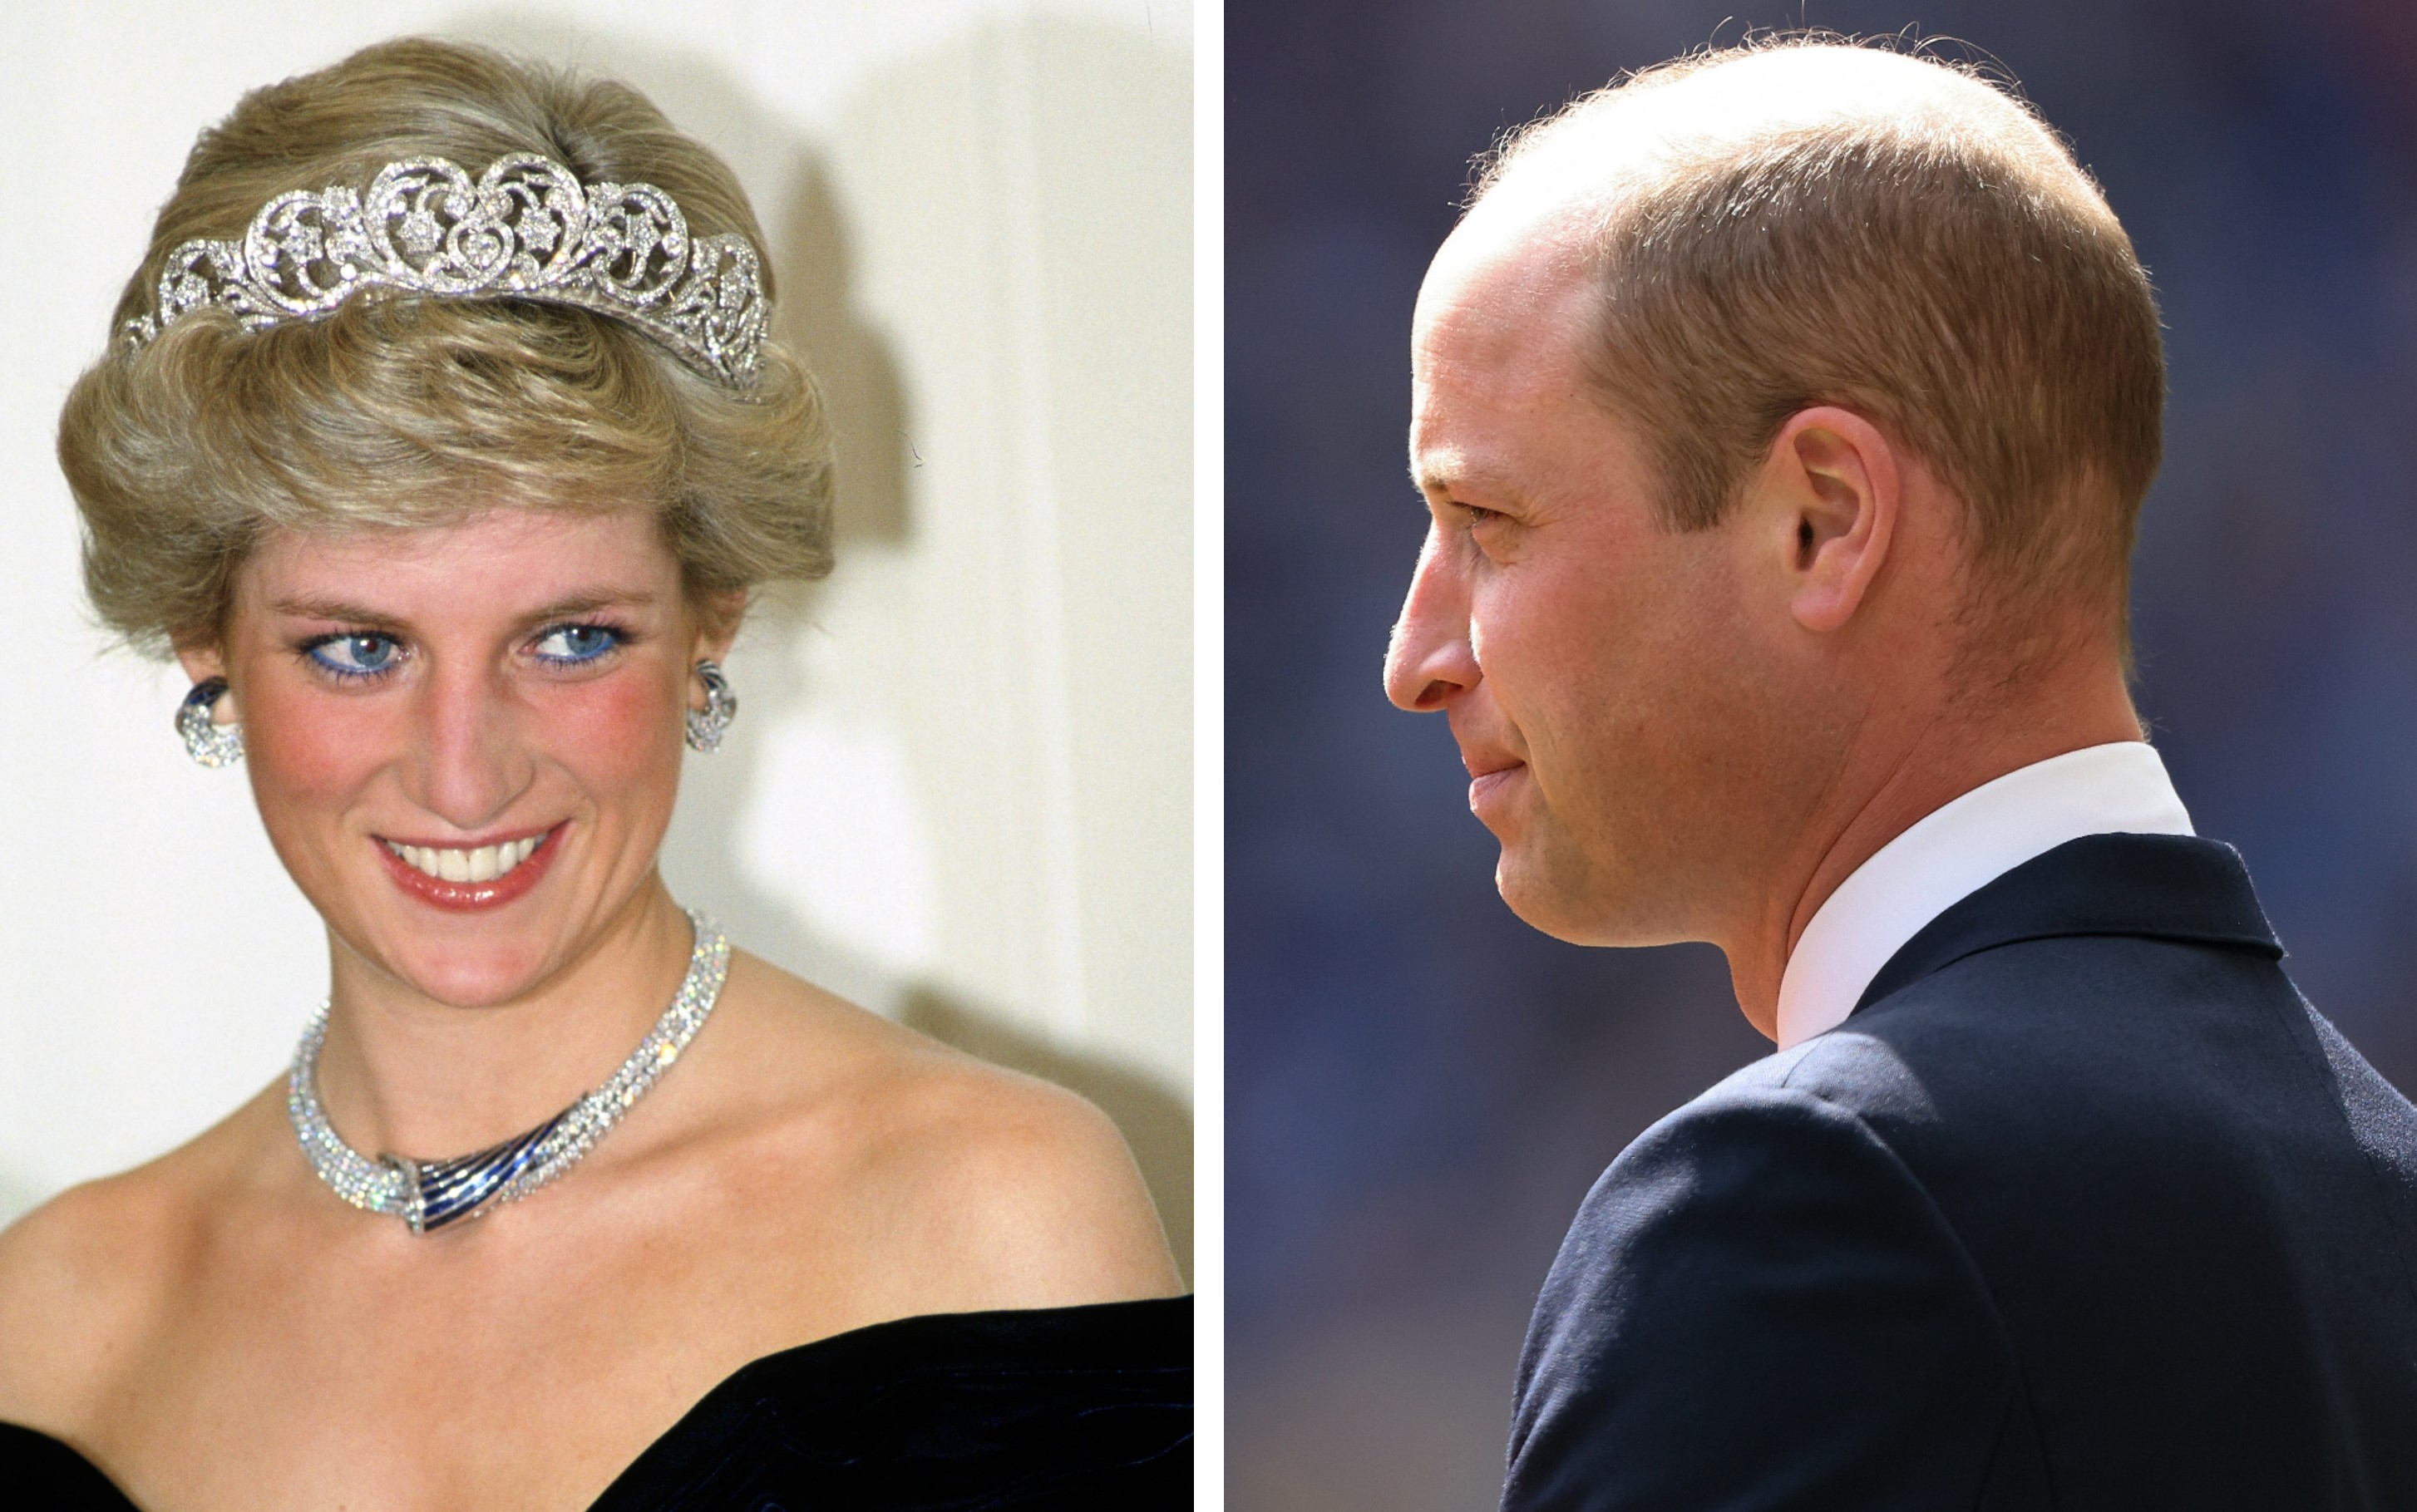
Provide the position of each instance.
(1904, 771)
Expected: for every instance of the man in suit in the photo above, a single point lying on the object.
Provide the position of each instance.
(1783, 417)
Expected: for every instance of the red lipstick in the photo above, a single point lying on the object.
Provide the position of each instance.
(465, 896)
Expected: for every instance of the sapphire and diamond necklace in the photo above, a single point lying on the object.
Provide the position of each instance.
(430, 1194)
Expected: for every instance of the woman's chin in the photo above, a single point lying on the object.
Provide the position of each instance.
(469, 958)
(467, 977)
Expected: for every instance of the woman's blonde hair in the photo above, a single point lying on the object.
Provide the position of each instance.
(414, 411)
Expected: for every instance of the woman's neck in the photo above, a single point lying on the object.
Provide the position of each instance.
(404, 1073)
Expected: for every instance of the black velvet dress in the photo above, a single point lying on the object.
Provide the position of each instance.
(1047, 1408)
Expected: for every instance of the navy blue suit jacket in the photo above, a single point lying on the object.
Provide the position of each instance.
(2085, 1207)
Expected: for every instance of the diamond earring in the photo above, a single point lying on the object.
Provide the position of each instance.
(706, 726)
(205, 741)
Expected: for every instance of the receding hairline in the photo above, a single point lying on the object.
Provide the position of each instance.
(1665, 120)
(1808, 219)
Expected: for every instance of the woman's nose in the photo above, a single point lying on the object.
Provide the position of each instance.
(472, 762)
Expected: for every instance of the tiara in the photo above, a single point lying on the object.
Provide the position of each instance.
(526, 229)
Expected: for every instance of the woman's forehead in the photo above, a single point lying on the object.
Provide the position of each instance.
(503, 555)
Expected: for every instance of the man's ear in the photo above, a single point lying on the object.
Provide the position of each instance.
(1831, 487)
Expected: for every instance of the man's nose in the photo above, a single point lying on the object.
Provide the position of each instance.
(1429, 661)
(472, 766)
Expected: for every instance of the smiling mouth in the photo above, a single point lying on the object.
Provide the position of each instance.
(484, 864)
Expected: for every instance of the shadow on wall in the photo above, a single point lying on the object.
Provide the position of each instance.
(862, 384)
(860, 380)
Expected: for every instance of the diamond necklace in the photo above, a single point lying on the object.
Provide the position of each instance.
(430, 1194)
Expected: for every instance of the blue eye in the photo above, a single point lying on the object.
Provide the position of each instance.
(570, 644)
(356, 656)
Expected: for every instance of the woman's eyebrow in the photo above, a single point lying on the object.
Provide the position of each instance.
(588, 603)
(318, 608)
(315, 607)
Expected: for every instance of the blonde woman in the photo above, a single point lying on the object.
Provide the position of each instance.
(440, 441)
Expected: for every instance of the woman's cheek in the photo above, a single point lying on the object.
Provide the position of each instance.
(310, 757)
(615, 730)
(307, 746)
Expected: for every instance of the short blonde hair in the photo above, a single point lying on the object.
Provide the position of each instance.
(1913, 244)
(416, 411)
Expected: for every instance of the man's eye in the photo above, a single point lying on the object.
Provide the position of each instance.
(575, 643)
(1479, 515)
(356, 656)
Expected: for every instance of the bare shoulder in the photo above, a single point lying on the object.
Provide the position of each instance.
(83, 1277)
(1015, 1186)
(987, 1188)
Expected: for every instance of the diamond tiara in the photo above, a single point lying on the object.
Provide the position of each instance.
(524, 229)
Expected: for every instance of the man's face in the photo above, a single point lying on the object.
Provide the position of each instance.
(1598, 669)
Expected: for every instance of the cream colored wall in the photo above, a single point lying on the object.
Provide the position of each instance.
(960, 789)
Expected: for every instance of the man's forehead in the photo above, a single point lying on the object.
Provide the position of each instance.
(1501, 321)
(1502, 293)
(1518, 253)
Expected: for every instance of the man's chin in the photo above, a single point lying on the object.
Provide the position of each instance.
(1573, 902)
(1541, 898)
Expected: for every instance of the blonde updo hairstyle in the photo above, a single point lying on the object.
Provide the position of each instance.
(413, 410)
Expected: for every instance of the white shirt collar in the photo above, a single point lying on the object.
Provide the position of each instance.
(1955, 850)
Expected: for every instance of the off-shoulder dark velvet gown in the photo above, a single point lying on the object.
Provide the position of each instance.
(1047, 1408)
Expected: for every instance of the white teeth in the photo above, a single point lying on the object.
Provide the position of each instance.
(485, 864)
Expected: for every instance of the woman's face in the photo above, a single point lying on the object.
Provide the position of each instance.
(466, 739)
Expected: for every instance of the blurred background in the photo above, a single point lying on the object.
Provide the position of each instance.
(960, 788)
(1419, 1089)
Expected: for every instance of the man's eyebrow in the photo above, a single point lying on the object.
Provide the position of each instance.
(1451, 477)
(1437, 477)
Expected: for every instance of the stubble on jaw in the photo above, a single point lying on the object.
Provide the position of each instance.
(1642, 730)
(1608, 644)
